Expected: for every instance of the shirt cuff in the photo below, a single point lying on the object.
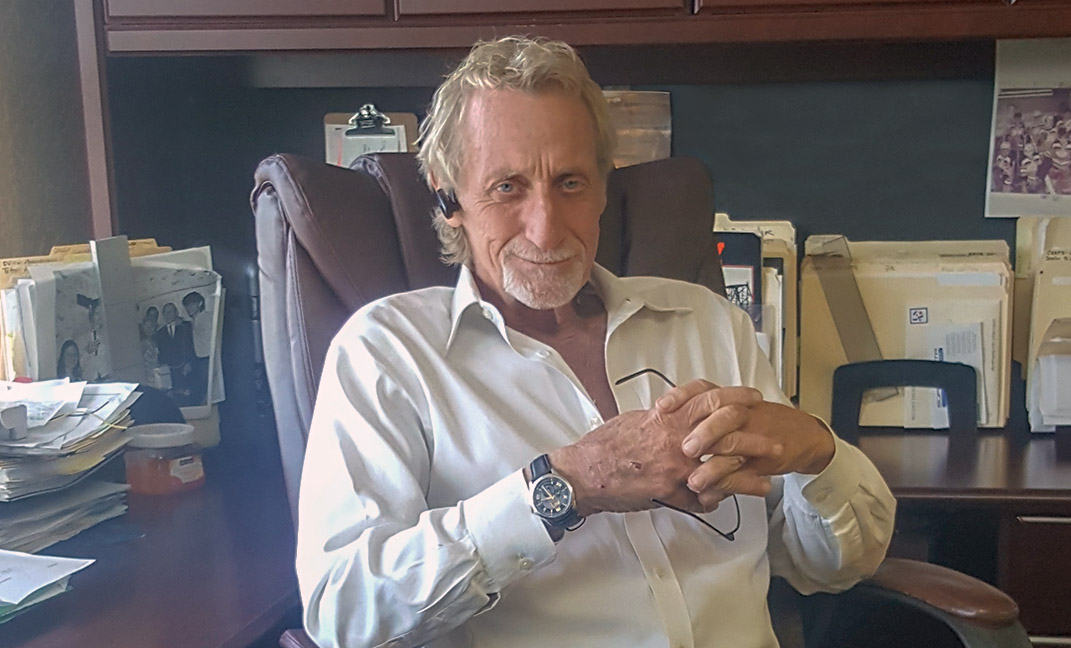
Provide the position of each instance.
(510, 539)
(832, 488)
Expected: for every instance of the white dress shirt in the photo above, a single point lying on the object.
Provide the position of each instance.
(415, 526)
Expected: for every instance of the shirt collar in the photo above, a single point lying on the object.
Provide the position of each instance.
(619, 295)
(466, 298)
(621, 298)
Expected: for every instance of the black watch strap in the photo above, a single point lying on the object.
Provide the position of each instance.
(540, 466)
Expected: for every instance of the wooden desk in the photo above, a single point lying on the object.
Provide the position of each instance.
(1006, 467)
(1004, 504)
(213, 568)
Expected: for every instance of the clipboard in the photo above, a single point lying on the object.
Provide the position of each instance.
(348, 136)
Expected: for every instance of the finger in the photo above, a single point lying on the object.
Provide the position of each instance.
(708, 402)
(713, 471)
(713, 429)
(747, 444)
(745, 482)
(711, 498)
(681, 394)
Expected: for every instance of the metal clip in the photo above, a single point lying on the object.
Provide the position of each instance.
(368, 120)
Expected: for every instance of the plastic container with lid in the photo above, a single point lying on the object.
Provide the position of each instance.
(163, 458)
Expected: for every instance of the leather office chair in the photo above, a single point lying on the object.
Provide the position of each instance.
(330, 240)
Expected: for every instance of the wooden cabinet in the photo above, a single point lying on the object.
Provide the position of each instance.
(205, 26)
(718, 5)
(886, 20)
(140, 9)
(534, 7)
(1035, 571)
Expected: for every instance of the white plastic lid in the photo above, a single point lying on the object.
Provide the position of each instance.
(162, 435)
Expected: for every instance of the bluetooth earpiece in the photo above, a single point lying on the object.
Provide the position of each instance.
(447, 202)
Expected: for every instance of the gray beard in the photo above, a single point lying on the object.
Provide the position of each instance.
(544, 289)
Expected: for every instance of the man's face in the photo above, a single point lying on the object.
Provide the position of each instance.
(531, 195)
(170, 312)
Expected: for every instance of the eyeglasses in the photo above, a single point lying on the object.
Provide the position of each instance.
(728, 535)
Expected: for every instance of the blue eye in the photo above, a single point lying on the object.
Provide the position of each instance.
(504, 187)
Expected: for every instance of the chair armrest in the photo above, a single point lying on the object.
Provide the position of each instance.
(956, 594)
(296, 639)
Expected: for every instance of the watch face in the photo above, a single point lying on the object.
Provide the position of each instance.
(552, 496)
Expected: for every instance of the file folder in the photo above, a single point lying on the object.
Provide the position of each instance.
(907, 288)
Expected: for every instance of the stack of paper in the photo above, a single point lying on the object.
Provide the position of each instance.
(1050, 381)
(1043, 249)
(71, 444)
(932, 300)
(26, 580)
(39, 522)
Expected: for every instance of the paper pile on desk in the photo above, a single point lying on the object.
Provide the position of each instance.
(72, 444)
(36, 523)
(929, 300)
(1050, 384)
(1043, 277)
(26, 580)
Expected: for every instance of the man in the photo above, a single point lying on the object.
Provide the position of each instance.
(476, 476)
(201, 346)
(174, 342)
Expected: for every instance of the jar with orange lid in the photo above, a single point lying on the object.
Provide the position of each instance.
(163, 458)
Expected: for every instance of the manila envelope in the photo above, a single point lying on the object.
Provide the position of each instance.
(1052, 299)
(910, 284)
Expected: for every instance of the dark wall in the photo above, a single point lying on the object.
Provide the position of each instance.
(887, 160)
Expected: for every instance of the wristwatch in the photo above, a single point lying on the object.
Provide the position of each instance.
(552, 499)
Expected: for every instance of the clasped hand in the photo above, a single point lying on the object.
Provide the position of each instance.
(700, 444)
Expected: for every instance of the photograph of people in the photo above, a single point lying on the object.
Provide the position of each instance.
(1032, 150)
(70, 363)
(150, 353)
(174, 344)
(201, 323)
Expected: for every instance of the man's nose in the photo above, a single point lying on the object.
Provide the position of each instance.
(544, 220)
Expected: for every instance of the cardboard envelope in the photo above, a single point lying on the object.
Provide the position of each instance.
(905, 288)
(1051, 301)
(1049, 405)
(1036, 239)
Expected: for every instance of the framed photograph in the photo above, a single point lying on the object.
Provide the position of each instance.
(1029, 171)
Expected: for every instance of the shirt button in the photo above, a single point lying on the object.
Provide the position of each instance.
(488, 314)
(660, 573)
(594, 422)
(542, 353)
(526, 564)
